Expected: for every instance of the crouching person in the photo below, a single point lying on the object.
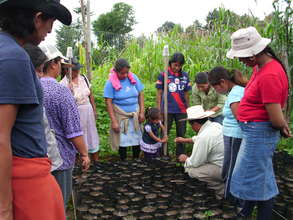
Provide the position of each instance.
(205, 162)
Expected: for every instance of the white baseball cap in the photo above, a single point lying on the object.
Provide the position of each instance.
(51, 52)
(247, 42)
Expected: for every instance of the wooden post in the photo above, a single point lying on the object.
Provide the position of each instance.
(69, 55)
(165, 96)
(85, 15)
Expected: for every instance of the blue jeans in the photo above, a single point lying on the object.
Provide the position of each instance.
(253, 177)
(231, 148)
(64, 179)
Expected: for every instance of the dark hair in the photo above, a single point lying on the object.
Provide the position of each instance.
(268, 50)
(201, 78)
(218, 73)
(177, 57)
(19, 22)
(199, 121)
(120, 64)
(36, 54)
(152, 113)
(47, 64)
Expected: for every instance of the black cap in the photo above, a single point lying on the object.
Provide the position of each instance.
(76, 64)
(50, 7)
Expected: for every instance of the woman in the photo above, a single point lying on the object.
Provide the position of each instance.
(125, 105)
(27, 188)
(261, 121)
(203, 94)
(38, 59)
(178, 96)
(231, 83)
(85, 101)
(63, 117)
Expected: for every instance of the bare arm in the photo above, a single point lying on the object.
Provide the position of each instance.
(7, 118)
(183, 140)
(79, 144)
(141, 117)
(92, 101)
(234, 107)
(114, 123)
(215, 109)
(277, 118)
(154, 137)
(159, 99)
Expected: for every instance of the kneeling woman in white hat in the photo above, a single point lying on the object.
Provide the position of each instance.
(261, 121)
(206, 160)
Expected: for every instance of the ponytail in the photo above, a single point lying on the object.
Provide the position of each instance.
(218, 73)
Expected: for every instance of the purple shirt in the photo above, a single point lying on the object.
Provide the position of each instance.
(63, 117)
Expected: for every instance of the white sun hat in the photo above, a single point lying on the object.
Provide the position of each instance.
(197, 112)
(247, 42)
(51, 52)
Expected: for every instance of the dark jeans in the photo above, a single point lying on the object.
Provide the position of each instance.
(264, 209)
(231, 148)
(123, 152)
(218, 119)
(180, 129)
(64, 179)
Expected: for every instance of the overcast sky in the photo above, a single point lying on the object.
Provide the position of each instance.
(150, 14)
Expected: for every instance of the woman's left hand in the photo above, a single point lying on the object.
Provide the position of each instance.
(141, 117)
(285, 131)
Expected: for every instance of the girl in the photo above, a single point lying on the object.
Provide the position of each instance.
(231, 83)
(178, 96)
(151, 143)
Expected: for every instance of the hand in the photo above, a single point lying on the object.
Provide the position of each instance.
(164, 139)
(179, 140)
(182, 158)
(285, 131)
(141, 117)
(115, 126)
(85, 162)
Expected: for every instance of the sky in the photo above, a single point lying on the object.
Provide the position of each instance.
(151, 14)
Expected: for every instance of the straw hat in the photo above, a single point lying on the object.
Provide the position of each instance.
(197, 112)
(247, 42)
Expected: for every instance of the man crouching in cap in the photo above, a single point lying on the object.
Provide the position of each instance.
(27, 189)
(205, 162)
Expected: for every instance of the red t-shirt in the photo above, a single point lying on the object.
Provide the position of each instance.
(267, 85)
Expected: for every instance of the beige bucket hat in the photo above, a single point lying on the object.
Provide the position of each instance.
(247, 42)
(197, 112)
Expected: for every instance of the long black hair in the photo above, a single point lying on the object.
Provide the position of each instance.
(120, 64)
(218, 73)
(269, 51)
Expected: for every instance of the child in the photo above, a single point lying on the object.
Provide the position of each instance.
(151, 143)
(178, 96)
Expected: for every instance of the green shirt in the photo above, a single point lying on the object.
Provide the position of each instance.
(208, 101)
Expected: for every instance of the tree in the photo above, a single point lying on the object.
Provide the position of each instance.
(67, 36)
(169, 26)
(113, 27)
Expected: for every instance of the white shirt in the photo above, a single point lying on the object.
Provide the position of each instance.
(208, 146)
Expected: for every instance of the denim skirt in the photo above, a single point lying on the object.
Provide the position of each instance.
(253, 175)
